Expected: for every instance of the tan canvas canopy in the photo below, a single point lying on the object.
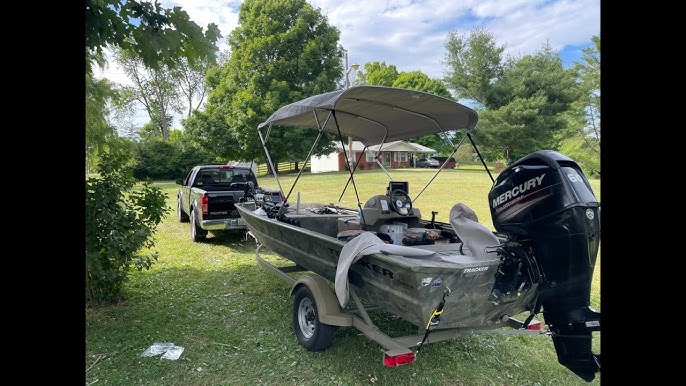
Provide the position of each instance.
(376, 114)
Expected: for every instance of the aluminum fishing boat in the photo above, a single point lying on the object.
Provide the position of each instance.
(447, 278)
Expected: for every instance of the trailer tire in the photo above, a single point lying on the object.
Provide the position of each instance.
(197, 234)
(180, 214)
(311, 333)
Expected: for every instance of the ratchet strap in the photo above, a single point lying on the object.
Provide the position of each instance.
(434, 319)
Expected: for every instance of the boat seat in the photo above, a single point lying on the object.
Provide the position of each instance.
(474, 235)
(348, 223)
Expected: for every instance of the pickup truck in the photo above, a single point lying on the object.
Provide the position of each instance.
(207, 195)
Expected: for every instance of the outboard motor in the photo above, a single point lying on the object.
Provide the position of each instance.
(545, 202)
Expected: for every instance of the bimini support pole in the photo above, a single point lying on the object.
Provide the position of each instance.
(269, 158)
(480, 157)
(307, 159)
(445, 136)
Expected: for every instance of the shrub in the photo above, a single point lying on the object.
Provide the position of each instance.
(120, 224)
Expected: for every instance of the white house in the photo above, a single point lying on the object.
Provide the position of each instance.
(393, 155)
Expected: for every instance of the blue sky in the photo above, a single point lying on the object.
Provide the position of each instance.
(411, 34)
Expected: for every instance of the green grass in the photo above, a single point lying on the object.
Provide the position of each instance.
(234, 318)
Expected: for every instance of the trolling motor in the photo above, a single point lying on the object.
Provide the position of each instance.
(545, 203)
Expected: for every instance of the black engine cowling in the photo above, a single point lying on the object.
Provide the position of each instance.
(544, 201)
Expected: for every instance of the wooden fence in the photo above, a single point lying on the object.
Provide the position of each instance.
(282, 167)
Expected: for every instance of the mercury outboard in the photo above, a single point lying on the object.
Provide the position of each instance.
(545, 203)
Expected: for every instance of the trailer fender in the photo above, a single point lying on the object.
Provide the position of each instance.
(329, 310)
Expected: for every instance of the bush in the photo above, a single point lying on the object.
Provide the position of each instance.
(120, 224)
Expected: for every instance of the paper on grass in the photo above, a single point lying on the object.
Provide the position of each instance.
(170, 350)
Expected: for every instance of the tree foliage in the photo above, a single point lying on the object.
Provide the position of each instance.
(582, 141)
(280, 52)
(154, 89)
(120, 226)
(99, 93)
(167, 160)
(381, 74)
(158, 36)
(475, 61)
(524, 102)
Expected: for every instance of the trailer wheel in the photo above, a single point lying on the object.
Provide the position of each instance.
(311, 333)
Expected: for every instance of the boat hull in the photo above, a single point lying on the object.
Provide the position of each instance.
(409, 288)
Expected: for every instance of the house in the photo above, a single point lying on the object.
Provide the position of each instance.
(397, 154)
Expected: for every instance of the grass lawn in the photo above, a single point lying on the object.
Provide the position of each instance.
(234, 318)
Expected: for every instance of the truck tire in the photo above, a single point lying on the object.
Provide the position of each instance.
(311, 333)
(197, 234)
(180, 214)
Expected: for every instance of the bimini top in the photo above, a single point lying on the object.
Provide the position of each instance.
(376, 114)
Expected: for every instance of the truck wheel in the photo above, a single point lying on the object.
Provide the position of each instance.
(180, 215)
(197, 234)
(311, 333)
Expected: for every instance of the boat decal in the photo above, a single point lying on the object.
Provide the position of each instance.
(517, 190)
(475, 271)
(376, 268)
(437, 282)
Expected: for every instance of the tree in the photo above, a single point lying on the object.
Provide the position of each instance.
(524, 102)
(280, 52)
(99, 93)
(475, 61)
(190, 79)
(154, 89)
(582, 141)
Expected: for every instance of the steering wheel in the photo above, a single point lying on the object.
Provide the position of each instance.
(401, 202)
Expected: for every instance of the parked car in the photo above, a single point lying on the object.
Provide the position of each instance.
(427, 163)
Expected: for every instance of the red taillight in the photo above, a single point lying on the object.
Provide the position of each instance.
(283, 198)
(534, 325)
(203, 203)
(391, 360)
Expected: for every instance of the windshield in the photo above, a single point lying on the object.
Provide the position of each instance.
(225, 176)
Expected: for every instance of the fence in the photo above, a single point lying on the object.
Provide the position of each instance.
(282, 167)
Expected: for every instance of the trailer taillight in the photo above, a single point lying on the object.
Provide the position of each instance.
(392, 359)
(203, 203)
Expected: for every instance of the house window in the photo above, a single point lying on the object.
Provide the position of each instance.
(370, 156)
(400, 156)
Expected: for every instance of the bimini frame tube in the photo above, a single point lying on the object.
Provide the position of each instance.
(445, 136)
(307, 159)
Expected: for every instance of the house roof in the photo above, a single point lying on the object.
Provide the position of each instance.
(391, 146)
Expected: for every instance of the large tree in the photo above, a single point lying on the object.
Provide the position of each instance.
(281, 51)
(523, 102)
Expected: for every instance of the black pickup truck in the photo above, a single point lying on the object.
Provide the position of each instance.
(207, 195)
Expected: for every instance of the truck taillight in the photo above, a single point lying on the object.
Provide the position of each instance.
(203, 203)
